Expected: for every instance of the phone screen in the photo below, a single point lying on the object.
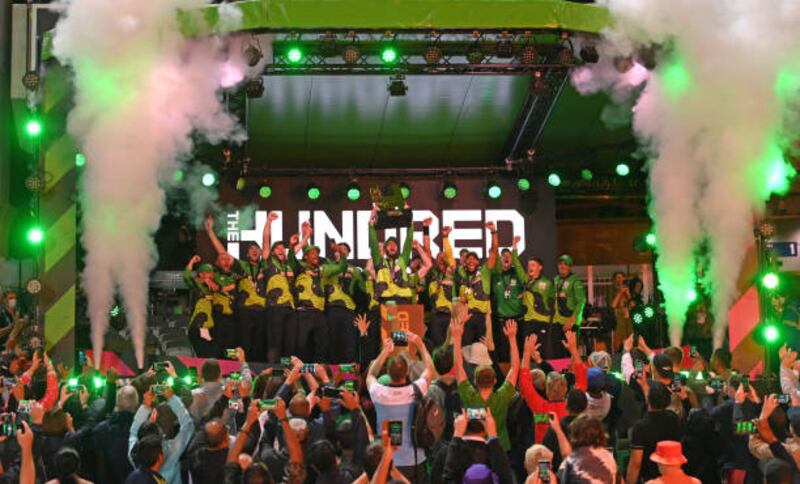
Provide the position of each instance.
(746, 383)
(544, 471)
(396, 432)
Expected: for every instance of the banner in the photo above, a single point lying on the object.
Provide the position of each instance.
(530, 215)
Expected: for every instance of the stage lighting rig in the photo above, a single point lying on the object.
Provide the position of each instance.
(623, 169)
(253, 54)
(397, 85)
(389, 55)
(353, 192)
(254, 88)
(493, 190)
(351, 54)
(553, 179)
(505, 47)
(539, 86)
(449, 191)
(313, 192)
(524, 184)
(589, 54)
(405, 190)
(565, 55)
(265, 191)
(528, 55)
(623, 64)
(433, 55)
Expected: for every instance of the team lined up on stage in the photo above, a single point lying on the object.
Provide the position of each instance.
(288, 300)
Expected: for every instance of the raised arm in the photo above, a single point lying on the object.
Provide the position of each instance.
(456, 332)
(426, 236)
(407, 244)
(427, 263)
(332, 268)
(377, 363)
(492, 260)
(448, 247)
(430, 371)
(187, 273)
(374, 246)
(266, 236)
(510, 330)
(522, 274)
(209, 225)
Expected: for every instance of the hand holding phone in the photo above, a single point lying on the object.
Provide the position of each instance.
(399, 338)
(396, 432)
(544, 471)
(476, 413)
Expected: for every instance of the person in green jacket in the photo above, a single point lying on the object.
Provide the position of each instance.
(537, 299)
(570, 298)
(233, 326)
(441, 291)
(278, 279)
(476, 290)
(507, 289)
(391, 266)
(340, 306)
(311, 323)
(201, 323)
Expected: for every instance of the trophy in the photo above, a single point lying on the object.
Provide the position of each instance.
(391, 203)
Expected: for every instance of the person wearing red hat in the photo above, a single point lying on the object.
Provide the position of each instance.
(669, 458)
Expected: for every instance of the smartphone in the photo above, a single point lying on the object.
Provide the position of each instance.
(8, 425)
(396, 432)
(286, 363)
(544, 471)
(693, 352)
(235, 376)
(76, 388)
(266, 404)
(745, 383)
(309, 368)
(331, 392)
(541, 418)
(399, 338)
(24, 406)
(235, 405)
(82, 361)
(231, 354)
(716, 384)
(159, 389)
(351, 368)
(783, 399)
(349, 385)
(476, 413)
(638, 369)
(745, 427)
(676, 383)
(160, 366)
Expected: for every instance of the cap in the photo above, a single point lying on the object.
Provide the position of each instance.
(477, 354)
(600, 359)
(565, 259)
(309, 248)
(663, 365)
(205, 268)
(480, 474)
(391, 239)
(596, 379)
(668, 452)
(277, 243)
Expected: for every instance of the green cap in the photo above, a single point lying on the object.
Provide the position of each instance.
(566, 259)
(309, 248)
(205, 268)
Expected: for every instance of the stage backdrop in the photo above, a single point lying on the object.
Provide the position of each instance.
(530, 215)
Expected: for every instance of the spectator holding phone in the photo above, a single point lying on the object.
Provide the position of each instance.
(555, 391)
(658, 424)
(669, 458)
(475, 443)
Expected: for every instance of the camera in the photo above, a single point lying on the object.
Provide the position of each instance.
(235, 376)
(350, 368)
(286, 363)
(309, 368)
(396, 432)
(399, 338)
(235, 405)
(540, 418)
(784, 399)
(476, 413)
(331, 392)
(231, 354)
(159, 389)
(159, 366)
(266, 404)
(8, 425)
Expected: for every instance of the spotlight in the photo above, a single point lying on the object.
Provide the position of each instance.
(691, 295)
(397, 85)
(351, 54)
(524, 184)
(80, 160)
(294, 55)
(771, 333)
(565, 56)
(265, 191)
(494, 191)
(313, 192)
(432, 55)
(649, 312)
(623, 64)
(770, 280)
(475, 56)
(646, 56)
(33, 127)
(252, 54)
(623, 169)
(31, 80)
(115, 311)
(650, 239)
(449, 191)
(637, 318)
(589, 54)
(587, 174)
(33, 286)
(353, 192)
(209, 179)
(538, 86)
(405, 190)
(389, 55)
(254, 88)
(553, 179)
(35, 235)
(528, 55)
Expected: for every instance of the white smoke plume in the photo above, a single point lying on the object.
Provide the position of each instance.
(713, 116)
(141, 91)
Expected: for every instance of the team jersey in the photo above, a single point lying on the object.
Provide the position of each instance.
(570, 299)
(477, 288)
(277, 276)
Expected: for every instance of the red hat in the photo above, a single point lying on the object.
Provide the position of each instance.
(668, 452)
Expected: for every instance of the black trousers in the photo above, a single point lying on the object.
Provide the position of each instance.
(553, 347)
(224, 333)
(277, 321)
(527, 328)
(202, 348)
(311, 336)
(344, 335)
(474, 328)
(437, 328)
(501, 347)
(373, 344)
(250, 320)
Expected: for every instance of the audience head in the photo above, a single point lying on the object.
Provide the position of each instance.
(534, 454)
(663, 367)
(668, 455)
(675, 355)
(322, 457)
(586, 431)
(397, 368)
(535, 266)
(733, 384)
(479, 474)
(659, 396)
(472, 262)
(538, 378)
(300, 427)
(443, 360)
(372, 458)
(721, 360)
(576, 402)
(779, 423)
(601, 360)
(299, 406)
(149, 452)
(68, 463)
(485, 377)
(210, 370)
(216, 434)
(257, 473)
(776, 471)
(556, 386)
(127, 399)
(596, 382)
(506, 259)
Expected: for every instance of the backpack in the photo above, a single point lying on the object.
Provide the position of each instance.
(452, 406)
(427, 421)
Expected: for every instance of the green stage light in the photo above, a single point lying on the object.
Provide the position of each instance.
(771, 333)
(691, 295)
(587, 174)
(494, 191)
(295, 55)
(72, 382)
(115, 311)
(389, 55)
(99, 382)
(80, 160)
(770, 280)
(35, 235)
(313, 192)
(650, 239)
(649, 312)
(637, 318)
(623, 169)
(524, 184)
(449, 191)
(187, 379)
(209, 179)
(33, 127)
(405, 190)
(265, 191)
(353, 192)
(170, 381)
(553, 179)
(241, 183)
